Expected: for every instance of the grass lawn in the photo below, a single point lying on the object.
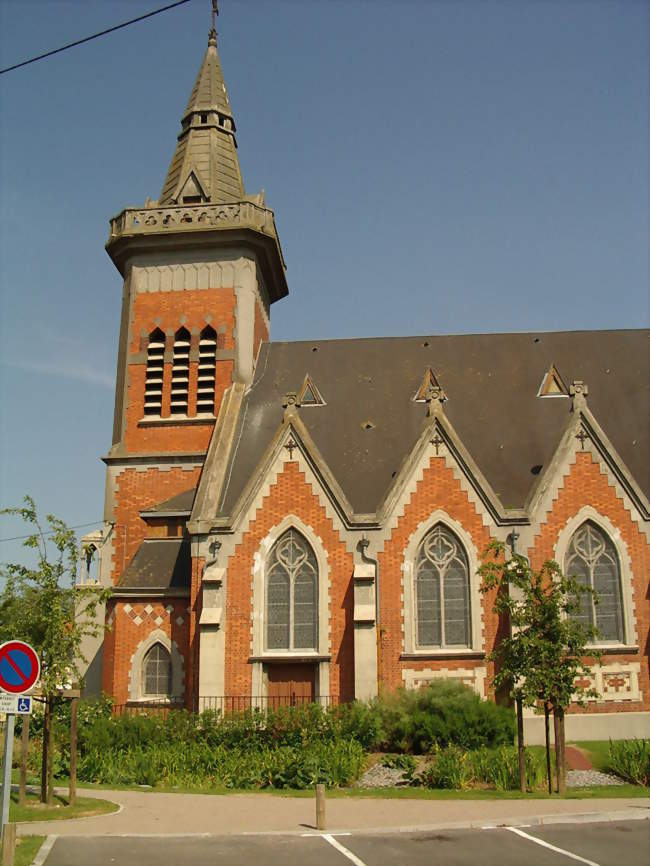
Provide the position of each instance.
(27, 847)
(34, 810)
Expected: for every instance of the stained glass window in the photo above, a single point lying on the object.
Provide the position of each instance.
(291, 594)
(592, 559)
(442, 591)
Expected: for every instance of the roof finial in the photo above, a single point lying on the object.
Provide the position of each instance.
(212, 39)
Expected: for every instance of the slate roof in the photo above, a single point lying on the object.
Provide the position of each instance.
(160, 563)
(491, 381)
(180, 503)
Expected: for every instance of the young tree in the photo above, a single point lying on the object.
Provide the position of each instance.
(543, 660)
(42, 605)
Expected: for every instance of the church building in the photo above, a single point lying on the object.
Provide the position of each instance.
(293, 521)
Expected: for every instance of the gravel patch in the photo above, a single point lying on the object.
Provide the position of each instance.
(382, 777)
(586, 778)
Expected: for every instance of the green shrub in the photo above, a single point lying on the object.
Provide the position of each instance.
(630, 759)
(443, 713)
(405, 763)
(452, 767)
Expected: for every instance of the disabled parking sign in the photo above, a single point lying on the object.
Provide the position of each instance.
(19, 667)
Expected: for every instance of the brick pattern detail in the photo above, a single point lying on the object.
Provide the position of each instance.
(438, 489)
(126, 633)
(584, 484)
(136, 491)
(260, 332)
(291, 494)
(192, 309)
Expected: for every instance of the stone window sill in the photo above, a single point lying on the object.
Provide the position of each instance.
(611, 649)
(445, 653)
(290, 657)
(155, 421)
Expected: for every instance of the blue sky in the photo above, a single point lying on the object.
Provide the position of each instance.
(434, 167)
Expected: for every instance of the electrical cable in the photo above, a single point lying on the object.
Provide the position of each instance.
(78, 526)
(94, 36)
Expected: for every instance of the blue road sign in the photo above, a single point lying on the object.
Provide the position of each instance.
(24, 705)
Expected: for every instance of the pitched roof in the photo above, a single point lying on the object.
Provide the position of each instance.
(159, 563)
(205, 162)
(370, 421)
(182, 502)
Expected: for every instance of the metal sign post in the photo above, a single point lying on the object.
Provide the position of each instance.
(19, 671)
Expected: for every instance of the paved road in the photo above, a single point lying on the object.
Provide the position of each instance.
(608, 844)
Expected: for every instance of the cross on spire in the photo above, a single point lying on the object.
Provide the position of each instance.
(215, 11)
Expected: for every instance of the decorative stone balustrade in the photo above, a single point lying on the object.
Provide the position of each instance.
(154, 220)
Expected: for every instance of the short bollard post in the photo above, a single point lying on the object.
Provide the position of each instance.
(320, 807)
(8, 844)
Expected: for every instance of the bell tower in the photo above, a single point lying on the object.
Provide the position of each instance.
(201, 267)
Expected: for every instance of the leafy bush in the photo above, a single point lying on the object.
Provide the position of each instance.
(630, 759)
(455, 768)
(405, 763)
(443, 713)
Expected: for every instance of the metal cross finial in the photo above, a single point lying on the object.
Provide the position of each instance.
(582, 436)
(215, 11)
(437, 441)
(290, 446)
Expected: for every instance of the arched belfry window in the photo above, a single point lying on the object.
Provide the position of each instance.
(153, 386)
(157, 672)
(291, 594)
(207, 368)
(180, 372)
(591, 558)
(442, 591)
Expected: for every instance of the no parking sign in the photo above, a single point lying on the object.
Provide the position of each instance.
(20, 667)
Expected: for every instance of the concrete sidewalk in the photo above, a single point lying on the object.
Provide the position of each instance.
(149, 813)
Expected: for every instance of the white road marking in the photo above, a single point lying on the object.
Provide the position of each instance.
(44, 850)
(551, 847)
(342, 849)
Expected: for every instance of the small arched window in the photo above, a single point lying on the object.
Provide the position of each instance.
(153, 386)
(207, 367)
(592, 559)
(291, 594)
(180, 372)
(157, 672)
(442, 591)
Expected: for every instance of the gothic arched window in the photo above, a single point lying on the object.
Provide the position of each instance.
(592, 559)
(291, 594)
(157, 672)
(442, 591)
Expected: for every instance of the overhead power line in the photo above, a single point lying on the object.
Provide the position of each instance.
(51, 532)
(94, 36)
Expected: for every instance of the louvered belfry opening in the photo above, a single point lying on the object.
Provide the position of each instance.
(207, 371)
(153, 386)
(180, 372)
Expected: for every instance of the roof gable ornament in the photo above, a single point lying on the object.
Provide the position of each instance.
(309, 394)
(192, 191)
(430, 385)
(578, 392)
(552, 384)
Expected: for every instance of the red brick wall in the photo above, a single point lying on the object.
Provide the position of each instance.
(291, 494)
(586, 485)
(438, 489)
(125, 636)
(136, 491)
(169, 311)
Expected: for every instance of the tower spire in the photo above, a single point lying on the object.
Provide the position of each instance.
(205, 167)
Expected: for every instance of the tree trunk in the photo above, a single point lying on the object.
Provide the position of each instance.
(24, 745)
(74, 704)
(50, 755)
(520, 745)
(44, 755)
(547, 736)
(563, 748)
(560, 769)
